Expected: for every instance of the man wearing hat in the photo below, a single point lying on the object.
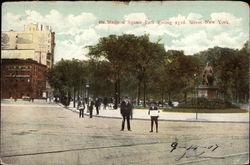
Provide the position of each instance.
(126, 109)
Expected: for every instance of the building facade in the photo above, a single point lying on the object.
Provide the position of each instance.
(26, 56)
(23, 78)
(36, 42)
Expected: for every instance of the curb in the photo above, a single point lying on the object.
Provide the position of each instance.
(196, 121)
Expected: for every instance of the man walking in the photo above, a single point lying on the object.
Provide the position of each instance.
(97, 105)
(105, 102)
(91, 107)
(126, 108)
(81, 107)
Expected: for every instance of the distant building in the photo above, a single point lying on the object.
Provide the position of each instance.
(33, 47)
(23, 78)
(36, 42)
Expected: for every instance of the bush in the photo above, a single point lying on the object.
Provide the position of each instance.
(204, 103)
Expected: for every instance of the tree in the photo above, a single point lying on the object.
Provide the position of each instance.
(180, 73)
(100, 78)
(231, 70)
(148, 57)
(112, 49)
(127, 53)
(67, 76)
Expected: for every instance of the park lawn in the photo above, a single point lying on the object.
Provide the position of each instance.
(187, 110)
(141, 108)
(190, 110)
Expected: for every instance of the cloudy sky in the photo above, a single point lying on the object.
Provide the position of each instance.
(77, 24)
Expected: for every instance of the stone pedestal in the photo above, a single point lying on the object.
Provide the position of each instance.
(210, 92)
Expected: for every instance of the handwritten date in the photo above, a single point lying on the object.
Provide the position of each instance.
(194, 150)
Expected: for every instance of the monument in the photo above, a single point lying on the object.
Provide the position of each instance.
(207, 89)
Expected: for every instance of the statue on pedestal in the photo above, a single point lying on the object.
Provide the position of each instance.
(207, 89)
(208, 75)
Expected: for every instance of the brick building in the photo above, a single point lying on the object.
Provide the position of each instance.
(23, 78)
(26, 56)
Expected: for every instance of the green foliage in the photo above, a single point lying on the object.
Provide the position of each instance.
(178, 73)
(100, 78)
(66, 76)
(128, 54)
(231, 70)
(204, 103)
(135, 66)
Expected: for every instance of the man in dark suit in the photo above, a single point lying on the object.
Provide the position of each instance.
(97, 105)
(126, 108)
(91, 107)
(105, 102)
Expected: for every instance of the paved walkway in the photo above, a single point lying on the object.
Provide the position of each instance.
(173, 116)
(42, 134)
(139, 114)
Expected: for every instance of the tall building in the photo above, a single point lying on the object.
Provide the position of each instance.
(36, 42)
(26, 56)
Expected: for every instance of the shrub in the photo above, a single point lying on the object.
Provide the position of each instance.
(204, 103)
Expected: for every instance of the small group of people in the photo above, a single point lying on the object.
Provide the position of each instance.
(127, 109)
(81, 106)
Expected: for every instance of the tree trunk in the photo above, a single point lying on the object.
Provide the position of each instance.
(74, 97)
(77, 95)
(119, 91)
(116, 94)
(68, 98)
(185, 96)
(162, 96)
(139, 92)
(144, 92)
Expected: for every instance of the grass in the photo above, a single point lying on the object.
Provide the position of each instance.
(231, 110)
(141, 108)
(190, 110)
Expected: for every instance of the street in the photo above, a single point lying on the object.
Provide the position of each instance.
(39, 134)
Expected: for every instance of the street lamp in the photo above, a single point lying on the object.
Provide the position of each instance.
(196, 99)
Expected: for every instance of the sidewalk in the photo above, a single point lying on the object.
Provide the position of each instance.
(21, 101)
(172, 116)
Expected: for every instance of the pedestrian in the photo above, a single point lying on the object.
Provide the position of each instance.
(154, 113)
(91, 107)
(170, 103)
(126, 108)
(105, 102)
(97, 105)
(131, 113)
(81, 107)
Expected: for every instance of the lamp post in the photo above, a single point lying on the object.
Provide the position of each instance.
(87, 95)
(196, 99)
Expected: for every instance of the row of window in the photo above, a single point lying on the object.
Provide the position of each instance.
(19, 67)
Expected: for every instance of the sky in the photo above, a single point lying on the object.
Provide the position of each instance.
(188, 26)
